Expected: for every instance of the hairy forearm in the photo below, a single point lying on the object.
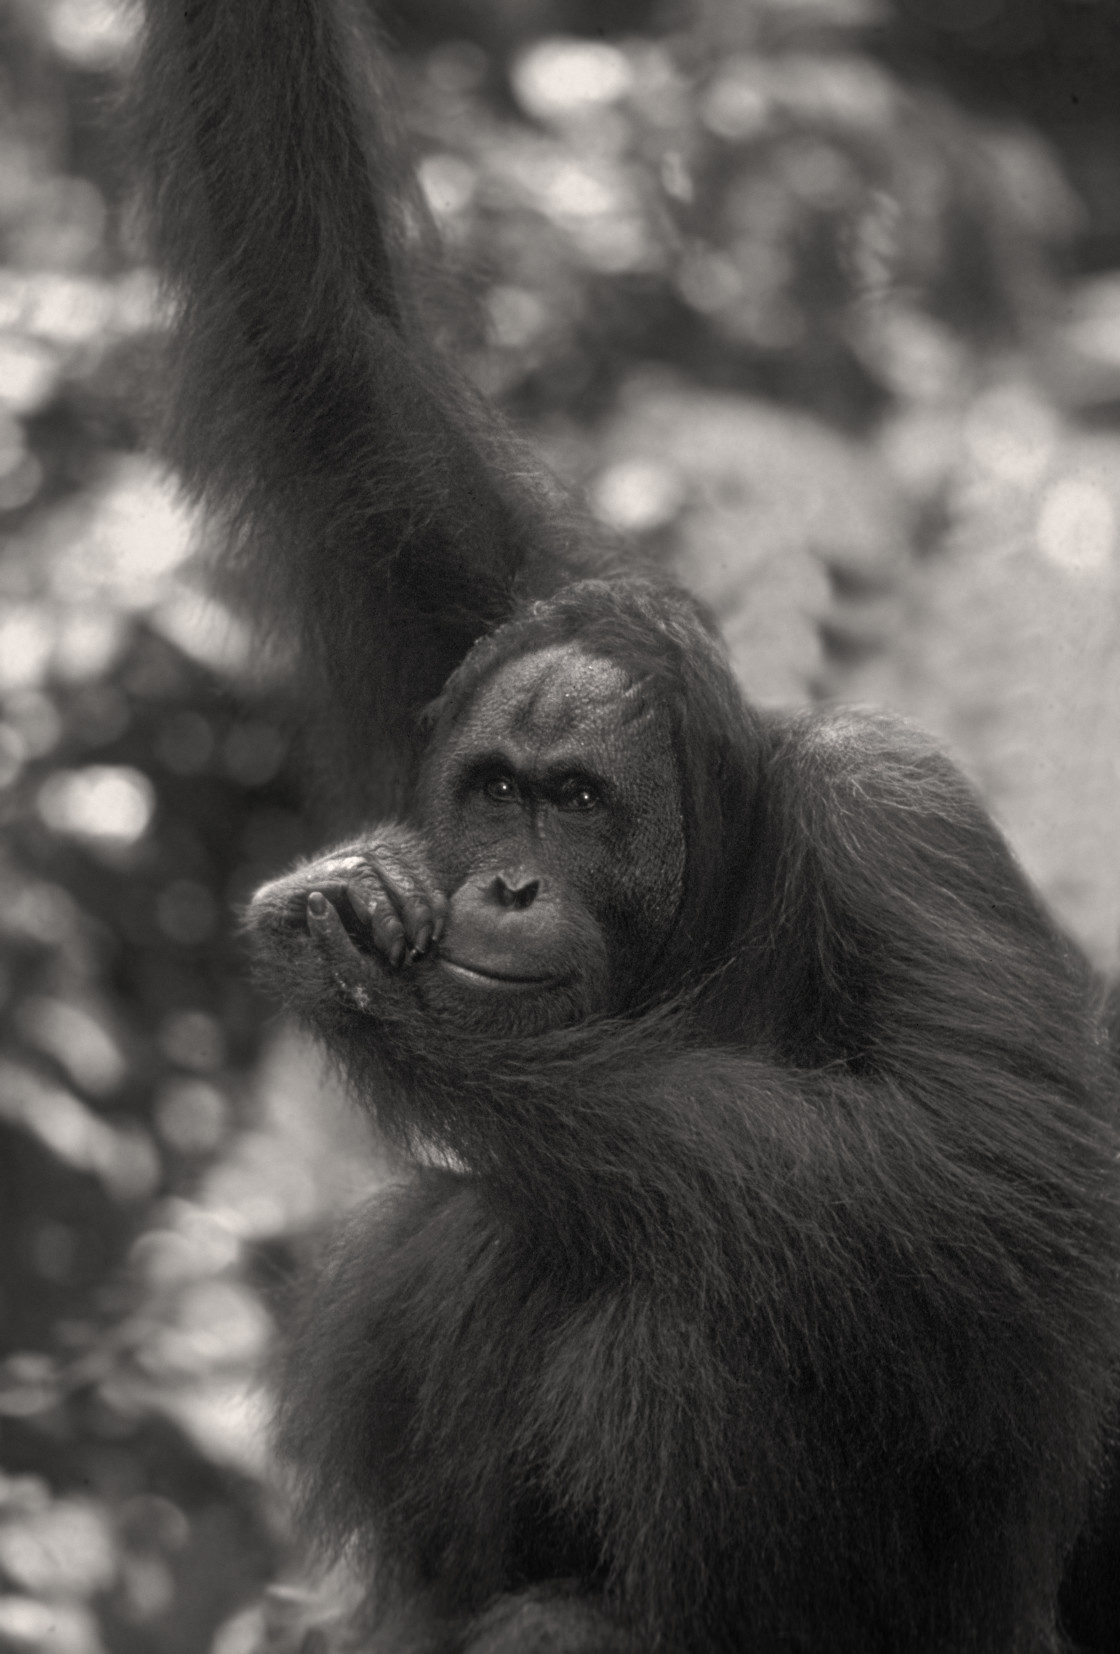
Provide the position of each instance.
(276, 194)
(262, 179)
(792, 1184)
(377, 513)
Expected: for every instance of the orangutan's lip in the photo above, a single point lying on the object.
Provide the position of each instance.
(478, 978)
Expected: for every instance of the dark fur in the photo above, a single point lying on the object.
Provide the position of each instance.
(375, 507)
(779, 1313)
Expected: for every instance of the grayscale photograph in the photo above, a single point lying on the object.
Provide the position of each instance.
(559, 826)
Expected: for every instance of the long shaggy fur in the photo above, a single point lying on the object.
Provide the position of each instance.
(376, 510)
(779, 1313)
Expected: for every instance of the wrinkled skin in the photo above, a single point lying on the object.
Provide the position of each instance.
(549, 871)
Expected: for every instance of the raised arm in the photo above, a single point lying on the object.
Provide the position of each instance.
(376, 509)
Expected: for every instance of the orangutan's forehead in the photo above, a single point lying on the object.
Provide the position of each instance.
(556, 693)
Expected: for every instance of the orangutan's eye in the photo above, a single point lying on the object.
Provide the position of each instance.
(579, 796)
(501, 789)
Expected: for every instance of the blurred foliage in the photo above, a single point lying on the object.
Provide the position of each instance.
(790, 288)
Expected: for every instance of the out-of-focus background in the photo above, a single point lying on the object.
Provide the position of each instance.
(819, 301)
